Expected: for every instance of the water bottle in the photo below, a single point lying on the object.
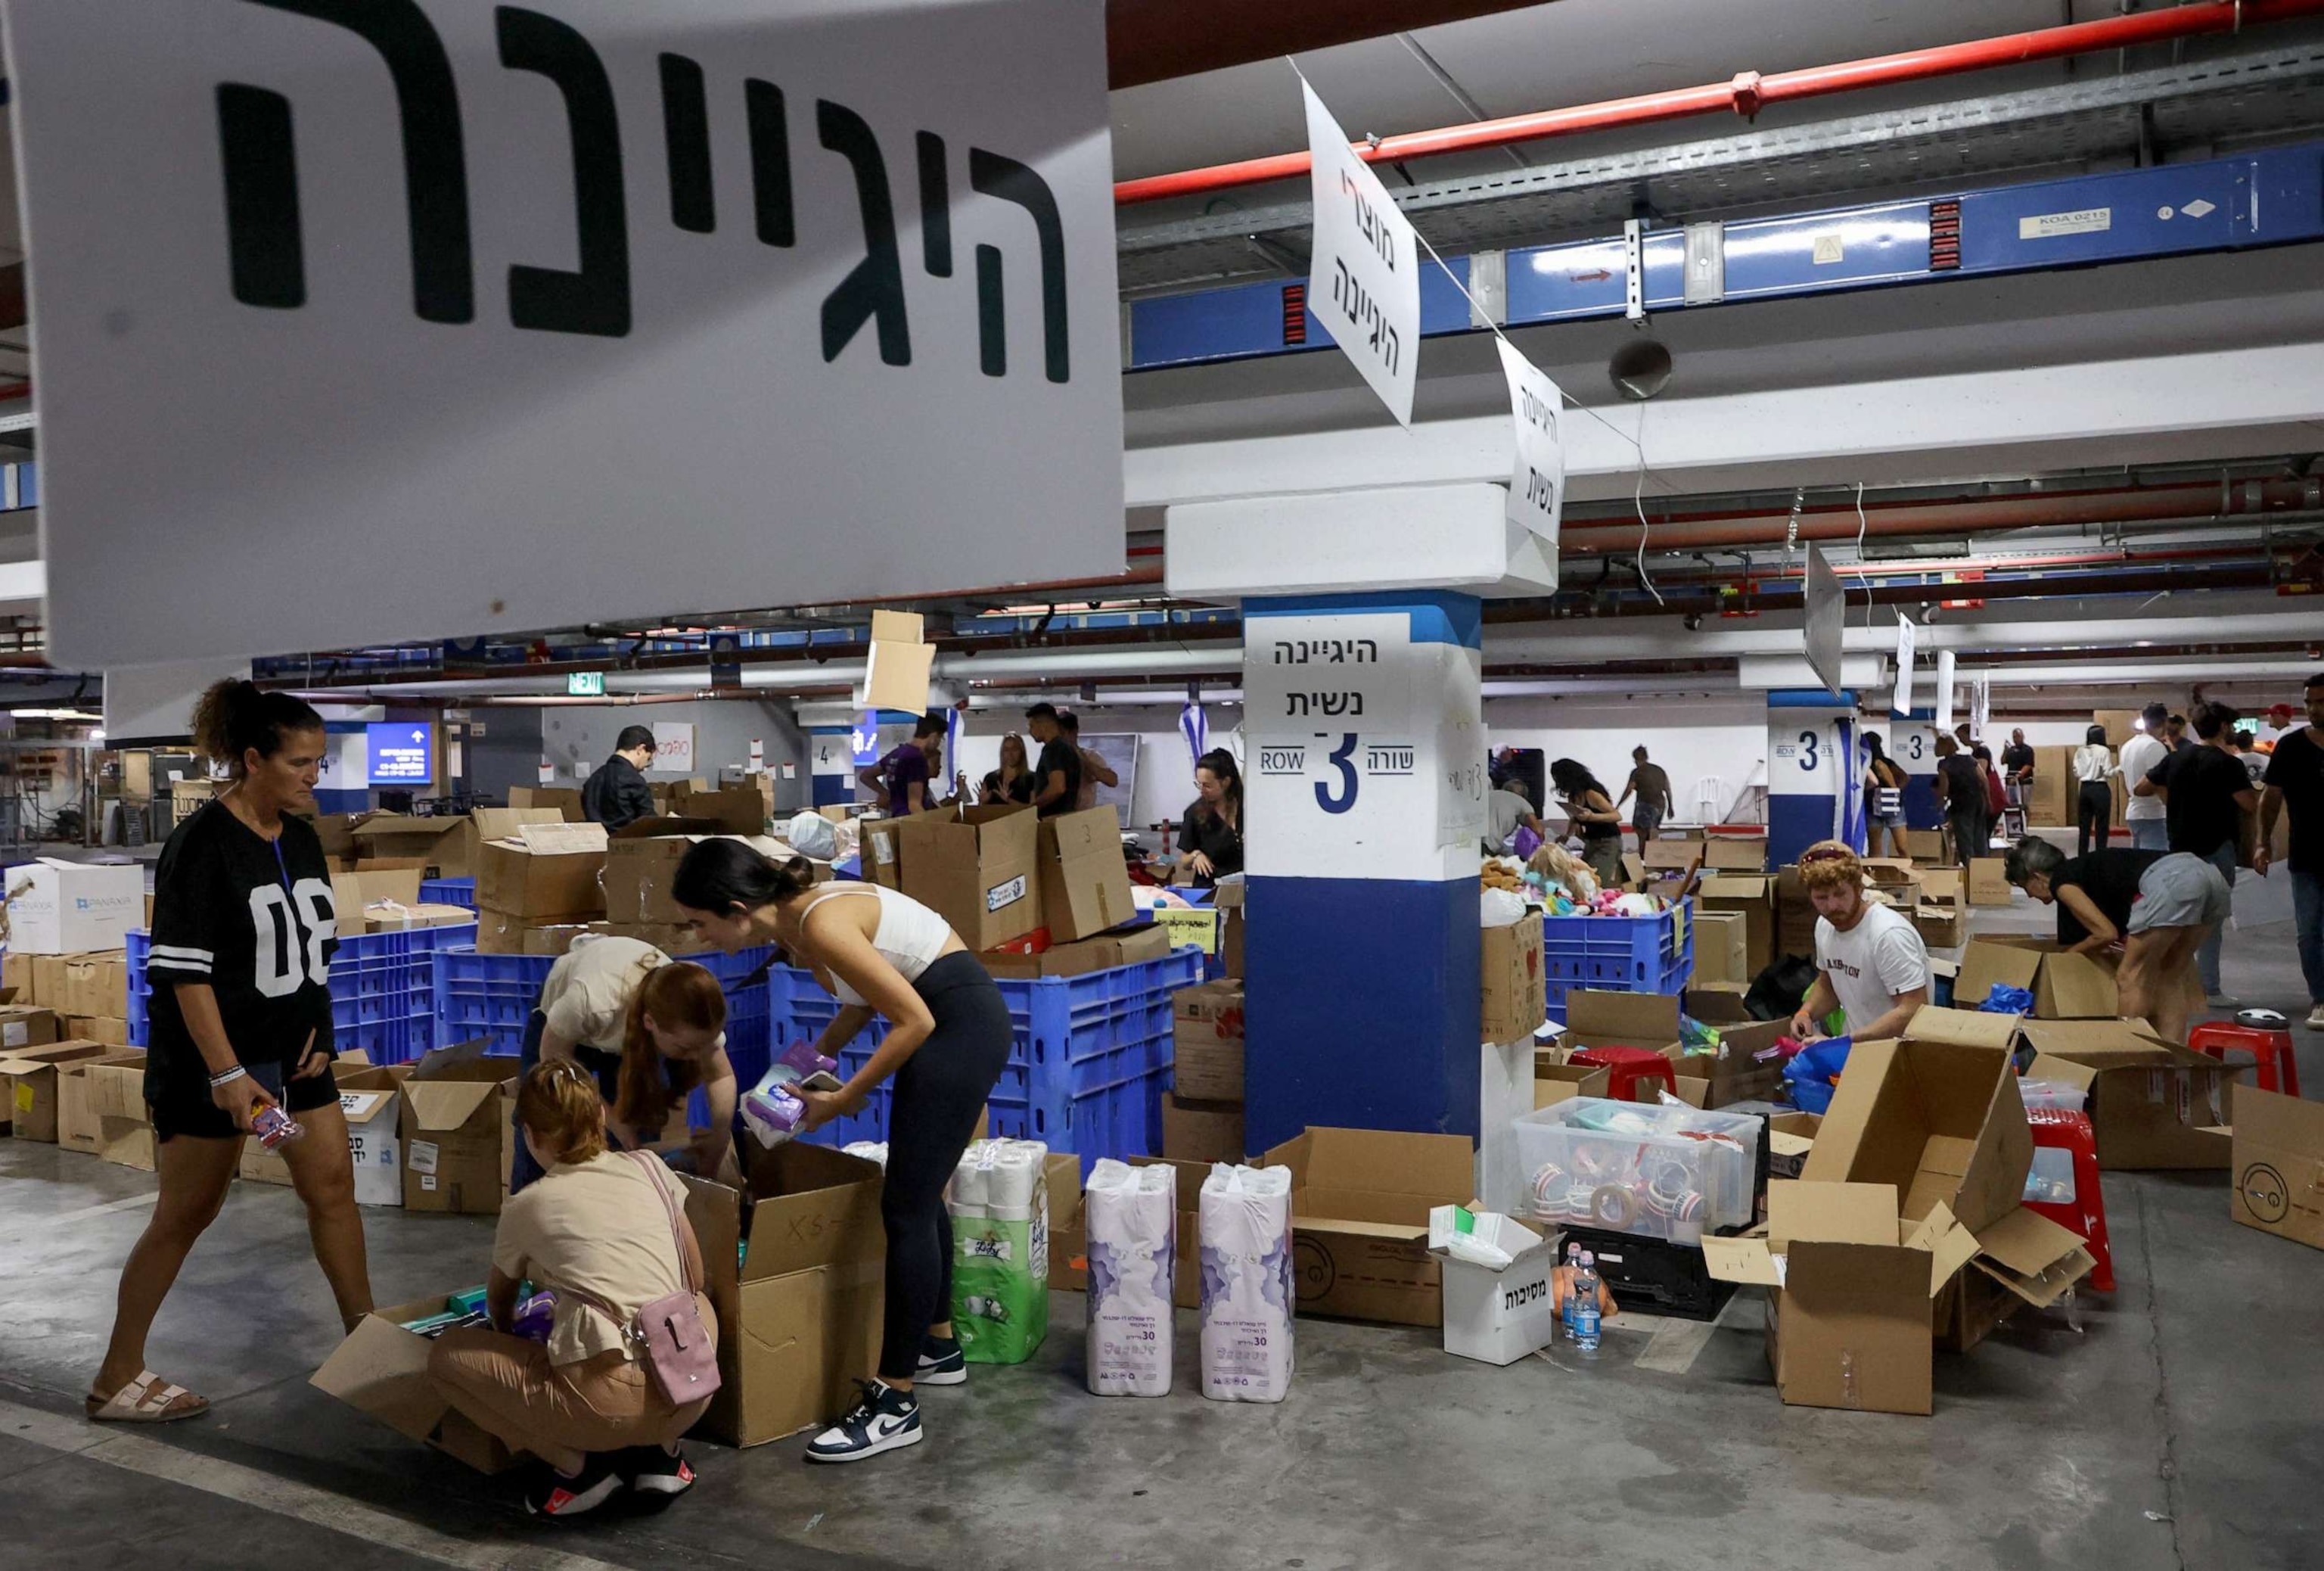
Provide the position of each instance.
(1573, 1283)
(1585, 1304)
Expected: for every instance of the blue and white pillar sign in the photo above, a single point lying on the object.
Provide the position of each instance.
(1810, 770)
(1365, 794)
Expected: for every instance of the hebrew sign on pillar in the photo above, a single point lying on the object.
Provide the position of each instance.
(561, 313)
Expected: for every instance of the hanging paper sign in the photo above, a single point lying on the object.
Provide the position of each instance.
(1363, 277)
(1900, 703)
(1537, 470)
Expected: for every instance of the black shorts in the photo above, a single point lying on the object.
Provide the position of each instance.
(179, 1100)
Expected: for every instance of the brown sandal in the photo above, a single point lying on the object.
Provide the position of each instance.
(147, 1400)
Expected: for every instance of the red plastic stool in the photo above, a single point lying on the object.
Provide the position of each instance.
(2263, 1033)
(2085, 1214)
(1629, 1065)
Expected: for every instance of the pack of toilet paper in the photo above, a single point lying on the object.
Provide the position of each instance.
(1248, 1297)
(999, 1204)
(1130, 1216)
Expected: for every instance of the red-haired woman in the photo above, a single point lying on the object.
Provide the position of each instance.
(648, 1030)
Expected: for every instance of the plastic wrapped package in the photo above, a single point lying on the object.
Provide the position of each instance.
(770, 1110)
(1670, 1171)
(2059, 1094)
(999, 1204)
(1131, 1218)
(1248, 1297)
(871, 1150)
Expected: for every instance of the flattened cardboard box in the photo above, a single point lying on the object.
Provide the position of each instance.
(1104, 952)
(2279, 1165)
(454, 1126)
(1360, 1204)
(799, 1319)
(382, 1370)
(2153, 1104)
(1084, 882)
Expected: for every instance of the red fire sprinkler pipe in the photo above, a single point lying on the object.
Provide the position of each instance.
(1750, 91)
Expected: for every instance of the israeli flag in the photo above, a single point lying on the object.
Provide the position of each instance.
(1195, 727)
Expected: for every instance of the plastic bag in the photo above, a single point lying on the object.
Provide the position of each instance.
(2006, 1000)
(1499, 908)
(1813, 1073)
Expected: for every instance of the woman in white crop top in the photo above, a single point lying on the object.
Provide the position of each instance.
(949, 1035)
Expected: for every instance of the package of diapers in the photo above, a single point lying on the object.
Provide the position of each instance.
(1246, 1289)
(999, 1204)
(1130, 1216)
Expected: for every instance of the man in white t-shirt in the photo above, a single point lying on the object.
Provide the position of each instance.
(1870, 963)
(2145, 817)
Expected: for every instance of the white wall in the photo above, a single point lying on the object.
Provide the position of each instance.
(1722, 740)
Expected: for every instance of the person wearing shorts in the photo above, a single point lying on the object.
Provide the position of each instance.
(244, 931)
(2159, 906)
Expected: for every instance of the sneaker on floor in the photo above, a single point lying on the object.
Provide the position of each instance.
(886, 1420)
(2316, 1018)
(2221, 1000)
(651, 1470)
(941, 1363)
(552, 1494)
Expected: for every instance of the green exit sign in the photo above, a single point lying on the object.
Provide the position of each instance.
(585, 684)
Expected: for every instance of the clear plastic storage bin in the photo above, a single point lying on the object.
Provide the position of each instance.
(1661, 1171)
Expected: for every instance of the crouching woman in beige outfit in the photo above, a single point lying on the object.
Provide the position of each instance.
(607, 1233)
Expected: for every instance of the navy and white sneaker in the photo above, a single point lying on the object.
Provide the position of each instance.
(552, 1494)
(941, 1363)
(886, 1420)
(651, 1470)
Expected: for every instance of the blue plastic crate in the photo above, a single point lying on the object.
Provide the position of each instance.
(382, 990)
(447, 891)
(1089, 1059)
(1619, 953)
(492, 996)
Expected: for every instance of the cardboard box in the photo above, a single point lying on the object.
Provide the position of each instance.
(101, 1108)
(1207, 1030)
(798, 1319)
(382, 1370)
(1935, 1116)
(1068, 1226)
(1229, 898)
(498, 933)
(401, 838)
(1735, 1073)
(73, 907)
(97, 1028)
(460, 857)
(730, 809)
(2121, 725)
(977, 869)
(27, 1025)
(1940, 913)
(1752, 897)
(2050, 794)
(1925, 846)
(565, 801)
(1130, 947)
(1722, 946)
(1202, 1131)
(1621, 1020)
(1084, 882)
(1360, 1204)
(454, 1126)
(2279, 1165)
(28, 1080)
(395, 916)
(547, 872)
(16, 976)
(2065, 986)
(1494, 1314)
(1736, 853)
(371, 1101)
(1671, 855)
(896, 670)
(2153, 1104)
(882, 851)
(667, 937)
(1513, 1003)
(84, 985)
(1986, 886)
(351, 893)
(1554, 1082)
(1790, 1137)
(1795, 915)
(639, 871)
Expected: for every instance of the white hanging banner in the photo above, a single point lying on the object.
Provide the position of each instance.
(1945, 692)
(1537, 470)
(1363, 276)
(1980, 705)
(1901, 702)
(1827, 610)
(496, 283)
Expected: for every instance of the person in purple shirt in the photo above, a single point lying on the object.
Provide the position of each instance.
(901, 778)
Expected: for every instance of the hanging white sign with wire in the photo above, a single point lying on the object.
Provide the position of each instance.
(1827, 610)
(1363, 276)
(1537, 470)
(1901, 701)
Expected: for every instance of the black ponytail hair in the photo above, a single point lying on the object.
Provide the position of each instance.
(234, 717)
(717, 875)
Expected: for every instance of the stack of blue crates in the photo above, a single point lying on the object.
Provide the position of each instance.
(383, 991)
(492, 996)
(449, 891)
(1089, 1059)
(1652, 954)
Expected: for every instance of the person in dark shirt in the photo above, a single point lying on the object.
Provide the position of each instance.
(1210, 835)
(2295, 784)
(2212, 812)
(616, 794)
(244, 931)
(1960, 786)
(2158, 905)
(1652, 784)
(2017, 758)
(902, 778)
(1013, 780)
(1057, 774)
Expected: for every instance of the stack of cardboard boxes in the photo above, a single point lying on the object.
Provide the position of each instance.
(1202, 1114)
(537, 885)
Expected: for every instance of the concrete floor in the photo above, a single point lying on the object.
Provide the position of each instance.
(2177, 1428)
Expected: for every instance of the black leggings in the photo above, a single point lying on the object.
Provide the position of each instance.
(2094, 817)
(931, 1118)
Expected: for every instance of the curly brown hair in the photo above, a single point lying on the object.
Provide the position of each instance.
(1831, 864)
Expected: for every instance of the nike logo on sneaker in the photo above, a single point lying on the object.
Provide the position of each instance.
(884, 1425)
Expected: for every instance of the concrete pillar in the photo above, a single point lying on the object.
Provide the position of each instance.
(1814, 780)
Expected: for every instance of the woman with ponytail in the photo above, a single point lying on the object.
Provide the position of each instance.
(244, 930)
(879, 952)
(648, 1030)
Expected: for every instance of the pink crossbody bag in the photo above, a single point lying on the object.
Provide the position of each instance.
(668, 1335)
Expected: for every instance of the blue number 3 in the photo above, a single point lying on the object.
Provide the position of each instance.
(1342, 757)
(1808, 740)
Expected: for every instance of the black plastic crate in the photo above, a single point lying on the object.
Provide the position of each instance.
(1653, 1275)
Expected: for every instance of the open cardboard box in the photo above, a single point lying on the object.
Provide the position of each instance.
(976, 867)
(382, 1370)
(2279, 1165)
(799, 1319)
(1102, 953)
(101, 1108)
(2153, 1103)
(2065, 986)
(1621, 1020)
(1360, 1205)
(1736, 1074)
(1751, 896)
(29, 1091)
(1084, 882)
(456, 1129)
(544, 873)
(1513, 1001)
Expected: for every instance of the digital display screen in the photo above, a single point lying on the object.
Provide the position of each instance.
(400, 751)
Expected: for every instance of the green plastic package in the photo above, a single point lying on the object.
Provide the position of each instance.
(999, 1204)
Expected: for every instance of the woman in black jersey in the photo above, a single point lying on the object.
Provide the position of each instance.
(244, 930)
